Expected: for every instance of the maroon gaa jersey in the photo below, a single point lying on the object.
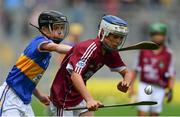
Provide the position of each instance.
(85, 59)
(155, 69)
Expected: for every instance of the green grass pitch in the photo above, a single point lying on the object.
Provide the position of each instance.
(108, 94)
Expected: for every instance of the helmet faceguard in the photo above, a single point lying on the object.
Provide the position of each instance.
(112, 25)
(64, 31)
(50, 19)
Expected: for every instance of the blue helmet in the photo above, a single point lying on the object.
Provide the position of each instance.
(114, 25)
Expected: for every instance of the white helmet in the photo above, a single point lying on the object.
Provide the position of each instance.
(114, 25)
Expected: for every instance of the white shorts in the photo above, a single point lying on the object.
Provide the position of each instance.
(157, 95)
(61, 112)
(11, 104)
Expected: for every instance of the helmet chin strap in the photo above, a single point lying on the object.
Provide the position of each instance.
(107, 48)
(57, 41)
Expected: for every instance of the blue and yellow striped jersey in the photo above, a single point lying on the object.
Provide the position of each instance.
(29, 69)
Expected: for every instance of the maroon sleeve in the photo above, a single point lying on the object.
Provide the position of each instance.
(80, 58)
(114, 62)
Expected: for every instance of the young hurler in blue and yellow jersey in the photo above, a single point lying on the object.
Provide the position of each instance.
(20, 84)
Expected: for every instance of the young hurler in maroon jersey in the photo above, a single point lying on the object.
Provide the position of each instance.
(84, 60)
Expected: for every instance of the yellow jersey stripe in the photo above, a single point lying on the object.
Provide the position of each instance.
(29, 67)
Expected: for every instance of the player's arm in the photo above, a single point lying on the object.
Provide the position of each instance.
(126, 82)
(41, 97)
(171, 78)
(169, 94)
(77, 66)
(117, 65)
(60, 48)
(170, 83)
(80, 86)
(131, 88)
(134, 72)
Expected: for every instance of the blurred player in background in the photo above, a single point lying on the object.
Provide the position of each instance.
(84, 60)
(73, 37)
(156, 68)
(20, 84)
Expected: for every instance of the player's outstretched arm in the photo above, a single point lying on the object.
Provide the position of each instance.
(80, 86)
(169, 94)
(171, 83)
(42, 97)
(59, 48)
(124, 85)
(131, 88)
